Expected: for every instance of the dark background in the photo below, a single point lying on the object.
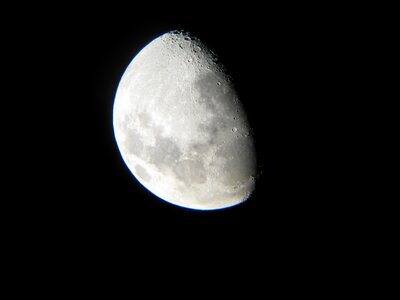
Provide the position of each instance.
(74, 193)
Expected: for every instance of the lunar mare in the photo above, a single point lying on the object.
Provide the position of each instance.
(181, 128)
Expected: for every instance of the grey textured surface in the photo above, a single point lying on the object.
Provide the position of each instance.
(181, 128)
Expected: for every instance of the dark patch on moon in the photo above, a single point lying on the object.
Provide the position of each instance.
(240, 163)
(211, 128)
(201, 148)
(190, 171)
(144, 119)
(208, 88)
(165, 152)
(227, 103)
(142, 173)
(218, 99)
(133, 142)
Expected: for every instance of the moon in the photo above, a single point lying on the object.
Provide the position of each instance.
(181, 128)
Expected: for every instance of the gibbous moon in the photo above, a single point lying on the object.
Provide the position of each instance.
(181, 128)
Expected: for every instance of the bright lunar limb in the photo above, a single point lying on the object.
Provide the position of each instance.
(181, 128)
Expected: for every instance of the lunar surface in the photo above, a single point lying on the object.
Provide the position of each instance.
(181, 128)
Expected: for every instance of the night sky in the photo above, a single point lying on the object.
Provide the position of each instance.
(77, 191)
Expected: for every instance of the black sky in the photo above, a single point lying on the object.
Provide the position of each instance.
(73, 185)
